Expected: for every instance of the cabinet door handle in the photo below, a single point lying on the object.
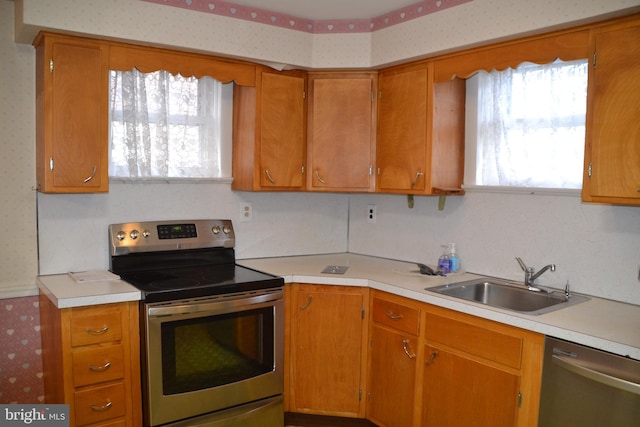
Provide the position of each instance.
(100, 408)
(266, 172)
(100, 368)
(405, 347)
(415, 181)
(431, 358)
(394, 316)
(322, 181)
(306, 304)
(97, 331)
(90, 177)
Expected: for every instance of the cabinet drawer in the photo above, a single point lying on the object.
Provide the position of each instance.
(475, 339)
(96, 325)
(395, 315)
(96, 365)
(99, 403)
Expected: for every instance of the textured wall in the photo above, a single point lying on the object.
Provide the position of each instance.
(20, 353)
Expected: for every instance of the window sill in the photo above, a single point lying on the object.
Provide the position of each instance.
(565, 192)
(224, 180)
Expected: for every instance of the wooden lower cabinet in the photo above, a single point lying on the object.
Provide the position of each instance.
(478, 372)
(393, 360)
(91, 361)
(425, 365)
(459, 390)
(327, 336)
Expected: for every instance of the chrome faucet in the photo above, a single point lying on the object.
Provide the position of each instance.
(529, 276)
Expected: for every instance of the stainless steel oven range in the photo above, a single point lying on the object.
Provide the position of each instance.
(211, 331)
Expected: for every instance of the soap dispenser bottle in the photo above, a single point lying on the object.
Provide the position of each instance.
(453, 258)
(444, 263)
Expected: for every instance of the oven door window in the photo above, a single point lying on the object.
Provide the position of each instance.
(217, 350)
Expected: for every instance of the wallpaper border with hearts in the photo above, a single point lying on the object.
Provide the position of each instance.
(229, 9)
(21, 351)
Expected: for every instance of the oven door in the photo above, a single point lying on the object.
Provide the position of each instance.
(209, 354)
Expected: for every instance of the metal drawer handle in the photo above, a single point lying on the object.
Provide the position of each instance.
(266, 171)
(100, 408)
(394, 316)
(406, 349)
(98, 331)
(100, 368)
(306, 304)
(322, 181)
(90, 177)
(431, 358)
(415, 181)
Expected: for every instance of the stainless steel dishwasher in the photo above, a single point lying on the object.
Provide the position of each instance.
(584, 387)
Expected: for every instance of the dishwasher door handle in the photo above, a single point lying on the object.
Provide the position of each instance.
(583, 371)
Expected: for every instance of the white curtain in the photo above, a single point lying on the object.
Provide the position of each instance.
(531, 124)
(164, 126)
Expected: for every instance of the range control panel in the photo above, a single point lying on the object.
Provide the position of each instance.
(154, 236)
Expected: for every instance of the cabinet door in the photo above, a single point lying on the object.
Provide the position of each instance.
(282, 131)
(392, 377)
(459, 391)
(615, 106)
(341, 134)
(328, 338)
(72, 106)
(402, 131)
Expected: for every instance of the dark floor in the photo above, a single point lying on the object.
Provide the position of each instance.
(302, 420)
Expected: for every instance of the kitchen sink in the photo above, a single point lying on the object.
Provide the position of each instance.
(507, 295)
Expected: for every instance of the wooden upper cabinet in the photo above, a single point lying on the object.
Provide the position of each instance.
(72, 115)
(341, 131)
(269, 133)
(612, 155)
(402, 130)
(420, 132)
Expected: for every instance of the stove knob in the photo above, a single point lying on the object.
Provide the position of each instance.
(134, 234)
(216, 229)
(121, 235)
(226, 229)
(146, 233)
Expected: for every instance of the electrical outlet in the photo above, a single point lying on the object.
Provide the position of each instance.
(246, 211)
(371, 214)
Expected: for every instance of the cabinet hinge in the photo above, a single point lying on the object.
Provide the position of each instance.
(51, 65)
(373, 96)
(304, 94)
(589, 170)
(370, 170)
(519, 399)
(302, 169)
(51, 164)
(595, 57)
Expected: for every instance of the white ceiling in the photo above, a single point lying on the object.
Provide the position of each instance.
(322, 10)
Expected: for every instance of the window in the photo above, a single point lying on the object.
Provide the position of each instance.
(526, 126)
(168, 127)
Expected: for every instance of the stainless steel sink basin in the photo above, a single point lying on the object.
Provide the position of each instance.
(509, 296)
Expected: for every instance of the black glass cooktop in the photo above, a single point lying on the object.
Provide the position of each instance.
(176, 284)
(189, 274)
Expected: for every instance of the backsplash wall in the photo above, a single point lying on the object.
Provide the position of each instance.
(595, 247)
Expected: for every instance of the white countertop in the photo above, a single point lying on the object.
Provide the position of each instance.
(600, 323)
(608, 325)
(65, 292)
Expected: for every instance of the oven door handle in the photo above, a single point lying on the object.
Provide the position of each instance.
(592, 374)
(218, 305)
